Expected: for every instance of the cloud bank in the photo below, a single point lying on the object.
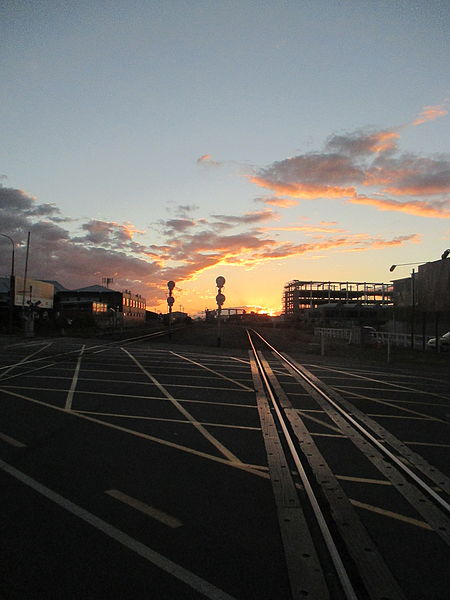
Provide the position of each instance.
(365, 168)
(100, 248)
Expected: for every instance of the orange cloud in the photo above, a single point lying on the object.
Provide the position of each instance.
(307, 229)
(362, 143)
(420, 208)
(430, 113)
(385, 140)
(206, 159)
(350, 243)
(275, 201)
(307, 191)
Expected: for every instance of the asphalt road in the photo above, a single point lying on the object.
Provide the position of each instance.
(137, 472)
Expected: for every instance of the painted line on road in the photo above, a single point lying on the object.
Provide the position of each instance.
(73, 385)
(245, 387)
(133, 396)
(253, 469)
(431, 444)
(325, 424)
(215, 442)
(25, 359)
(391, 515)
(11, 441)
(364, 480)
(151, 511)
(129, 381)
(387, 384)
(182, 421)
(392, 404)
(165, 564)
(402, 417)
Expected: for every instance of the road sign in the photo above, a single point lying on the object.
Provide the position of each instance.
(171, 285)
(170, 300)
(220, 299)
(220, 281)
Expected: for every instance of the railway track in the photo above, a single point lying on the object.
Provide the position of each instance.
(319, 522)
(361, 516)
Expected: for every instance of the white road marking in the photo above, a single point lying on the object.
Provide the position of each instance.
(134, 396)
(222, 449)
(134, 382)
(11, 367)
(165, 564)
(427, 444)
(245, 387)
(73, 385)
(389, 384)
(241, 360)
(392, 404)
(152, 512)
(306, 415)
(183, 421)
(364, 480)
(391, 515)
(11, 441)
(236, 465)
(402, 417)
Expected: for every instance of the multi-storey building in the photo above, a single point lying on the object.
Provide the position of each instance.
(305, 295)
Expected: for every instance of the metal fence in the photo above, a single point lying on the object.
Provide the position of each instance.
(353, 336)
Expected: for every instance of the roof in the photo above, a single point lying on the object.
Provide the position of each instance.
(58, 286)
(96, 288)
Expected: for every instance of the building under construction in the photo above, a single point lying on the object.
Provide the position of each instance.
(305, 295)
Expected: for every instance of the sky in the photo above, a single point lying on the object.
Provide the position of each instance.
(261, 141)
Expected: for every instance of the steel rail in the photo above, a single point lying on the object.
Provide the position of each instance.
(341, 571)
(365, 432)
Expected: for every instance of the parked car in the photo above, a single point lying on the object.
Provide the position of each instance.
(369, 334)
(444, 342)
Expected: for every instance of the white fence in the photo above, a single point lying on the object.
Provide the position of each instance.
(352, 336)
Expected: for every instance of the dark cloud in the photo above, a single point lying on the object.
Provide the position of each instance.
(351, 163)
(109, 249)
(247, 218)
(361, 144)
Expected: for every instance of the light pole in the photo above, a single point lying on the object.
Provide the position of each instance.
(170, 301)
(220, 299)
(11, 285)
(413, 295)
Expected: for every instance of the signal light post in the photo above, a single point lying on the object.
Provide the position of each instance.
(220, 299)
(170, 302)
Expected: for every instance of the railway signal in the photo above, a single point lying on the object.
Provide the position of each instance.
(170, 302)
(220, 299)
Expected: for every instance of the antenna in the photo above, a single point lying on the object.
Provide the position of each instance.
(107, 280)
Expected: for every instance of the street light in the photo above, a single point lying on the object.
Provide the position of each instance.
(11, 284)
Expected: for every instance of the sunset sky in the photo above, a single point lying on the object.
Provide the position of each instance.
(258, 140)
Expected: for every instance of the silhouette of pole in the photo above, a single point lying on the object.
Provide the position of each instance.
(11, 286)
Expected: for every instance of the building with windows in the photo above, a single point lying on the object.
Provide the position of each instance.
(305, 295)
(120, 308)
(427, 288)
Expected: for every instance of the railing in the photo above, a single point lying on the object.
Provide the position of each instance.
(377, 337)
(336, 333)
